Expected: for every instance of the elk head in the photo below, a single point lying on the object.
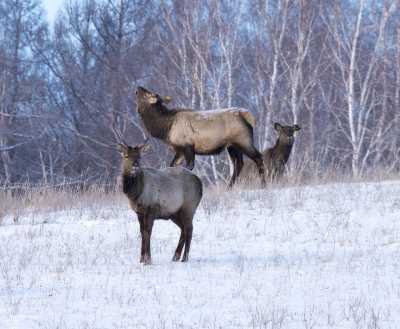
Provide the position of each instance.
(286, 133)
(131, 155)
(146, 97)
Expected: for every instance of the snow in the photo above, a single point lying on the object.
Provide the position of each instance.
(298, 257)
(212, 113)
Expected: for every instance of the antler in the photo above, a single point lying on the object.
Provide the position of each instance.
(145, 142)
(167, 99)
(118, 136)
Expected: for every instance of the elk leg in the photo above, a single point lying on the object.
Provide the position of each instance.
(188, 229)
(237, 159)
(178, 251)
(188, 152)
(141, 223)
(177, 159)
(256, 156)
(148, 226)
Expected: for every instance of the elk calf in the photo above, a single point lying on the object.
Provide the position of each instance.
(173, 193)
(275, 158)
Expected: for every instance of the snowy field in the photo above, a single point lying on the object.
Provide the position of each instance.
(302, 257)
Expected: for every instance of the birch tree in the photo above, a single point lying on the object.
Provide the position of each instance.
(358, 73)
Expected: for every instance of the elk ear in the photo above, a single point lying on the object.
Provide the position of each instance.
(123, 149)
(153, 99)
(167, 99)
(144, 147)
(296, 127)
(277, 126)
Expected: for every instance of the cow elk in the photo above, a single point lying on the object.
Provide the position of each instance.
(200, 132)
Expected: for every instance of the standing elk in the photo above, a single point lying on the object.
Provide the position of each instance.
(275, 158)
(200, 132)
(172, 193)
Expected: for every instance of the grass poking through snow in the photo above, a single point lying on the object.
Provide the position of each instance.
(286, 257)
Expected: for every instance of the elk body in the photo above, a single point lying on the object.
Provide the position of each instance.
(173, 193)
(275, 158)
(200, 132)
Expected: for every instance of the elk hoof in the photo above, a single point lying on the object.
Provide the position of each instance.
(176, 258)
(185, 259)
(146, 260)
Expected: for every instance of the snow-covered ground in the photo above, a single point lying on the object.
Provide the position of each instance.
(302, 257)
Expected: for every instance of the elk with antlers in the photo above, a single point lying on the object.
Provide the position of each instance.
(172, 193)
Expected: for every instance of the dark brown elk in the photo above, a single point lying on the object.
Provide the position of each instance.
(275, 158)
(200, 132)
(173, 193)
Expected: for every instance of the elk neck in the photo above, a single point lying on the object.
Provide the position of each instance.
(157, 119)
(132, 179)
(283, 148)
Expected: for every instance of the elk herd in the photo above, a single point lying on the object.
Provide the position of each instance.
(175, 192)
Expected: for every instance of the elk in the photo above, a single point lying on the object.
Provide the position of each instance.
(172, 193)
(200, 132)
(275, 158)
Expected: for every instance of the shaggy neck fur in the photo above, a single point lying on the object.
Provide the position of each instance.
(157, 119)
(132, 179)
(282, 149)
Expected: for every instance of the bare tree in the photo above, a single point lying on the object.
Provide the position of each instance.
(65, 97)
(358, 74)
(23, 30)
(95, 48)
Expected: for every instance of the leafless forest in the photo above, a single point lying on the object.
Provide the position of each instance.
(67, 91)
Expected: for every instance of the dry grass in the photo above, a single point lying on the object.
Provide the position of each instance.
(323, 247)
(310, 172)
(16, 202)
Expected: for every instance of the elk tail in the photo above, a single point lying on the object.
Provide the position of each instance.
(248, 117)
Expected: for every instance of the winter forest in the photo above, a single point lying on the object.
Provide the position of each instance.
(67, 90)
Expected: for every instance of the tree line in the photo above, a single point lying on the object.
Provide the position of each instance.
(67, 90)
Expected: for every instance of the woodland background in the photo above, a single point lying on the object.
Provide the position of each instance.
(65, 90)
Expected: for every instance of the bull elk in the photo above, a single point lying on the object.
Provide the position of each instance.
(172, 193)
(200, 132)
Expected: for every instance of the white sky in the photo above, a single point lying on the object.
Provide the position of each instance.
(51, 7)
